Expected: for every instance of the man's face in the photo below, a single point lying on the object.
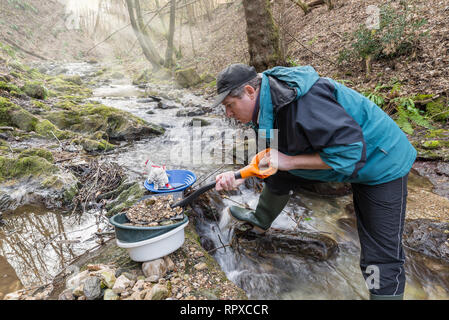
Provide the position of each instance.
(241, 108)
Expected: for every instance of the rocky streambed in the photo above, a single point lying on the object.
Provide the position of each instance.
(80, 159)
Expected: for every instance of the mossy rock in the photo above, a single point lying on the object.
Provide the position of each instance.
(40, 105)
(143, 78)
(187, 77)
(68, 88)
(99, 135)
(35, 74)
(438, 110)
(64, 119)
(117, 75)
(438, 133)
(435, 144)
(35, 90)
(91, 118)
(126, 199)
(421, 97)
(46, 129)
(207, 78)
(16, 65)
(14, 115)
(90, 145)
(17, 168)
(37, 152)
(6, 86)
(76, 79)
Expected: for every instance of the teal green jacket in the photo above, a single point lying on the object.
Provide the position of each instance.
(352, 135)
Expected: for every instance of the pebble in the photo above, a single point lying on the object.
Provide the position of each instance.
(139, 285)
(92, 288)
(153, 279)
(110, 295)
(169, 263)
(77, 279)
(158, 292)
(66, 295)
(121, 284)
(154, 267)
(200, 266)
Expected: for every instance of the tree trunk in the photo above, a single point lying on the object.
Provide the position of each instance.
(262, 34)
(169, 51)
(139, 29)
(161, 17)
(190, 22)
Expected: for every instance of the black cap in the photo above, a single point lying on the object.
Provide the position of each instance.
(231, 78)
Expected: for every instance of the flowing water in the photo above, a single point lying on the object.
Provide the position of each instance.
(35, 244)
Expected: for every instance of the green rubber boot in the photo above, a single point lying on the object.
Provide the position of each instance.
(381, 297)
(269, 207)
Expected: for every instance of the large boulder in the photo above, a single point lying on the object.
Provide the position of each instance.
(14, 115)
(35, 90)
(187, 77)
(90, 118)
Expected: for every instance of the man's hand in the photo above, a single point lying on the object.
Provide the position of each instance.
(227, 181)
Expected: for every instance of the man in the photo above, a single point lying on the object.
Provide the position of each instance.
(326, 132)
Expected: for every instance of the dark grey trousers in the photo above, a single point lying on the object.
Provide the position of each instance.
(380, 211)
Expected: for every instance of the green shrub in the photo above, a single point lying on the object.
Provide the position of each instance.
(398, 34)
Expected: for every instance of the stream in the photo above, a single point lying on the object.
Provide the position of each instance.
(35, 244)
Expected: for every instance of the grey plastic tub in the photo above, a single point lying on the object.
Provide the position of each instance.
(126, 233)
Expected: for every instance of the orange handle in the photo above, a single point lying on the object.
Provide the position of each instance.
(253, 170)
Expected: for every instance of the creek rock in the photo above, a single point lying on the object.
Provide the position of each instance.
(121, 284)
(128, 194)
(92, 146)
(193, 112)
(158, 292)
(35, 90)
(66, 295)
(154, 268)
(438, 109)
(187, 77)
(7, 202)
(48, 130)
(90, 118)
(169, 263)
(166, 104)
(110, 295)
(108, 278)
(117, 75)
(200, 266)
(92, 288)
(314, 245)
(429, 237)
(14, 168)
(143, 78)
(76, 280)
(15, 116)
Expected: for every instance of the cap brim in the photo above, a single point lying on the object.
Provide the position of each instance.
(219, 99)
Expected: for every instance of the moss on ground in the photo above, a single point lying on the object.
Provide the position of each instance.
(17, 168)
(15, 116)
(438, 110)
(37, 152)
